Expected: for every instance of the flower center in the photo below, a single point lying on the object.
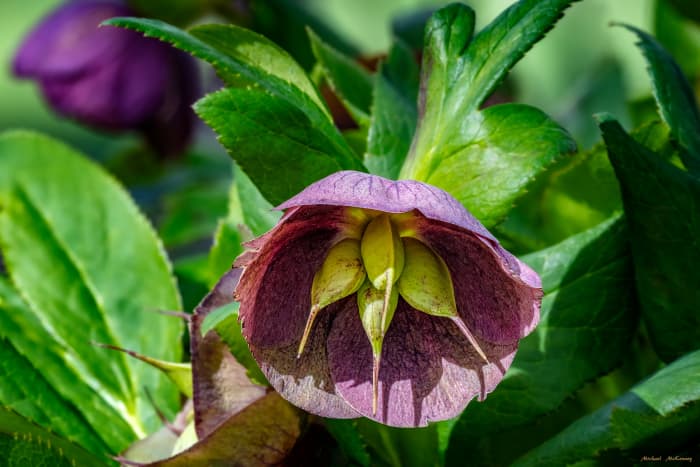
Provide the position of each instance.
(379, 267)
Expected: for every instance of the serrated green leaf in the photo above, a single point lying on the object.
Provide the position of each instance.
(27, 392)
(483, 158)
(268, 136)
(351, 83)
(630, 422)
(394, 113)
(90, 268)
(661, 206)
(675, 98)
(587, 321)
(240, 56)
(495, 155)
(500, 45)
(244, 58)
(22, 443)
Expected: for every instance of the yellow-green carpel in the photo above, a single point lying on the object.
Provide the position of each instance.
(376, 316)
(341, 274)
(380, 266)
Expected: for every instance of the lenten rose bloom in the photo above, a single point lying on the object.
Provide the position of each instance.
(110, 78)
(385, 299)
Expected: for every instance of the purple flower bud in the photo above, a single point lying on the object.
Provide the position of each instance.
(463, 302)
(110, 78)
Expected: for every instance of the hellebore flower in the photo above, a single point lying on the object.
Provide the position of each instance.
(383, 299)
(110, 78)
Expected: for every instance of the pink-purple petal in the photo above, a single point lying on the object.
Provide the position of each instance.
(428, 372)
(361, 190)
(275, 298)
(494, 301)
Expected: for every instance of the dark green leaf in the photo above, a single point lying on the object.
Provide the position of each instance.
(675, 98)
(244, 58)
(483, 158)
(679, 37)
(398, 447)
(394, 113)
(587, 321)
(661, 205)
(351, 83)
(499, 46)
(23, 444)
(268, 136)
(347, 434)
(90, 269)
(688, 8)
(658, 414)
(180, 12)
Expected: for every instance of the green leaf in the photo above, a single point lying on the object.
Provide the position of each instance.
(351, 83)
(675, 98)
(219, 312)
(173, 11)
(687, 8)
(587, 321)
(27, 392)
(268, 136)
(347, 434)
(681, 38)
(495, 155)
(90, 269)
(22, 443)
(249, 214)
(398, 447)
(244, 58)
(394, 113)
(483, 158)
(179, 373)
(661, 413)
(240, 56)
(661, 205)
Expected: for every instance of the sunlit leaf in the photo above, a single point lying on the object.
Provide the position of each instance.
(90, 269)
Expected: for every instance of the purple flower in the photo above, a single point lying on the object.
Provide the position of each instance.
(383, 299)
(111, 78)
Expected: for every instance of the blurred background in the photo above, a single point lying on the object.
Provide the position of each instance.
(583, 67)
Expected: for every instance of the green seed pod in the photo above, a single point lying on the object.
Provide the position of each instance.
(426, 283)
(382, 252)
(340, 275)
(370, 302)
(377, 309)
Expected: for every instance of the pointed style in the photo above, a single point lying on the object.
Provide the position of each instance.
(384, 299)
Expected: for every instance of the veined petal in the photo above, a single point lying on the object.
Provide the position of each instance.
(350, 188)
(496, 304)
(428, 370)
